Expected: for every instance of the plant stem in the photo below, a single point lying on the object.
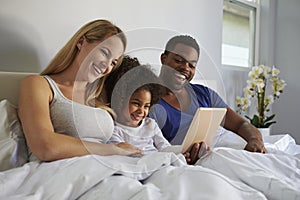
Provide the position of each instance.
(261, 106)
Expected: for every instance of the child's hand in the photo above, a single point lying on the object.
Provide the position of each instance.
(127, 149)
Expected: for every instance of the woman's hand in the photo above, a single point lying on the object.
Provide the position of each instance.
(127, 149)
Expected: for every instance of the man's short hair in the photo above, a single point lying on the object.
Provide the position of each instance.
(181, 39)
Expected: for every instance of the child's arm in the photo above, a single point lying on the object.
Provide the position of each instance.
(117, 136)
(160, 142)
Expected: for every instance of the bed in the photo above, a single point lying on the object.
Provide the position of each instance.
(226, 172)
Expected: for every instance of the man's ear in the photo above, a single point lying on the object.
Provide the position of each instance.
(163, 58)
(80, 43)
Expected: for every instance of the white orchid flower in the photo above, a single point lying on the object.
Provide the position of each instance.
(267, 72)
(260, 85)
(275, 71)
(256, 88)
(255, 72)
(269, 99)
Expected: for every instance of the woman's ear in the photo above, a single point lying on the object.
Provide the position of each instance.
(163, 58)
(80, 43)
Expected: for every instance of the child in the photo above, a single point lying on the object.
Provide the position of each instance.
(133, 125)
(135, 89)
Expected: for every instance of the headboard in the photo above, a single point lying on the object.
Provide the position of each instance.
(9, 85)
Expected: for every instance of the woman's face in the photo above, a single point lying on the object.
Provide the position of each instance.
(99, 58)
(137, 108)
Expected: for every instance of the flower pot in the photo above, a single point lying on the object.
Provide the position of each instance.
(264, 131)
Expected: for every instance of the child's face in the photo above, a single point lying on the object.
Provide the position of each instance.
(138, 108)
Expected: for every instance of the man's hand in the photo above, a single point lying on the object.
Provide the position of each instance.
(191, 156)
(255, 145)
(196, 151)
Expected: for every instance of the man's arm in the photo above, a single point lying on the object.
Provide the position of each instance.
(243, 128)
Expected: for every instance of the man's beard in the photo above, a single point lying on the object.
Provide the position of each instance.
(172, 80)
(172, 85)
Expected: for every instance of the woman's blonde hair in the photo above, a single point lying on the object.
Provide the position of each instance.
(94, 31)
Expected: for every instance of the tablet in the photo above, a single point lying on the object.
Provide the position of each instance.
(203, 127)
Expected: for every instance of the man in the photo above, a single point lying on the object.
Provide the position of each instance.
(180, 98)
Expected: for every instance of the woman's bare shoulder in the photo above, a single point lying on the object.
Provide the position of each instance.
(34, 80)
(35, 83)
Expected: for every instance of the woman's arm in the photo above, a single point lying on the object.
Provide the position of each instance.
(35, 96)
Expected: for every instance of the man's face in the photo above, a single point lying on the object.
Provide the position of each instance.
(178, 66)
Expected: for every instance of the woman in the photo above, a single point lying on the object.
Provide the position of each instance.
(56, 108)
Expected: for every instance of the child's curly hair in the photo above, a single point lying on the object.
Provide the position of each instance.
(127, 79)
(111, 80)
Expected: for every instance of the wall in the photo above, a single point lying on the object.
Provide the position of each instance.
(32, 31)
(280, 46)
(286, 57)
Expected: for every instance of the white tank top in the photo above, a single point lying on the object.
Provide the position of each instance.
(77, 120)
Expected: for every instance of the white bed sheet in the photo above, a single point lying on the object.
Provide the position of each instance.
(224, 173)
(155, 176)
(275, 175)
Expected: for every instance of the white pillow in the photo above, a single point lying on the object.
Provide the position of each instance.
(13, 148)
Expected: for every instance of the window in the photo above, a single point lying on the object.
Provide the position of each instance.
(240, 28)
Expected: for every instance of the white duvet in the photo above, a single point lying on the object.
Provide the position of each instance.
(224, 173)
(155, 176)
